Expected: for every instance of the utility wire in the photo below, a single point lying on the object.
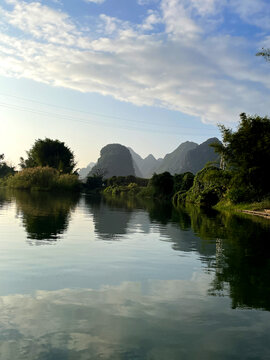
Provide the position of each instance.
(86, 121)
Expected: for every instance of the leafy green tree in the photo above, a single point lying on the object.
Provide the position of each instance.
(52, 153)
(94, 182)
(183, 182)
(5, 170)
(162, 184)
(246, 153)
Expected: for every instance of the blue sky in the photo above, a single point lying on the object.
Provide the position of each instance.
(149, 74)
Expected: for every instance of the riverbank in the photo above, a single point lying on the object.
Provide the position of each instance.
(261, 208)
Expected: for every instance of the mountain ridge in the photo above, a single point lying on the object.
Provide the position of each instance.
(119, 160)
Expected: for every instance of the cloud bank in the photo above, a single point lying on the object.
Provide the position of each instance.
(180, 57)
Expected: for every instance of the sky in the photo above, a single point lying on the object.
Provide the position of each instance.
(149, 74)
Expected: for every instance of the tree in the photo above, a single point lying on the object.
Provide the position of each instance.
(246, 153)
(5, 169)
(162, 184)
(264, 53)
(52, 153)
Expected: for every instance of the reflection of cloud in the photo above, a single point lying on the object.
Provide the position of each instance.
(147, 320)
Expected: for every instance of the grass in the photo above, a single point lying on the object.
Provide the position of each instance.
(227, 205)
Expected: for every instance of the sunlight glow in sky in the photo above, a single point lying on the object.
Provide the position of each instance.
(149, 74)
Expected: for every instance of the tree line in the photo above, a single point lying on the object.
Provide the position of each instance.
(243, 174)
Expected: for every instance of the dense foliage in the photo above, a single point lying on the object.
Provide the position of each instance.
(209, 187)
(126, 180)
(94, 182)
(43, 178)
(5, 169)
(182, 182)
(162, 184)
(246, 154)
(51, 153)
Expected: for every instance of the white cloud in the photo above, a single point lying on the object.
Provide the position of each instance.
(147, 2)
(95, 1)
(151, 20)
(255, 12)
(184, 68)
(177, 18)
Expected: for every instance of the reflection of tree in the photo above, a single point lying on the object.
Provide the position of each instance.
(244, 263)
(160, 211)
(184, 240)
(45, 216)
(234, 247)
(4, 198)
(242, 258)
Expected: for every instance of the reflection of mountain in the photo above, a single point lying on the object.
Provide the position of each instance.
(158, 215)
(110, 222)
(235, 248)
(45, 216)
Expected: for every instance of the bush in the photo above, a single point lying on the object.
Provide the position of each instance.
(42, 178)
(67, 182)
(209, 187)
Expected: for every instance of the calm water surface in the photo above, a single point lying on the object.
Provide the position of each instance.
(84, 278)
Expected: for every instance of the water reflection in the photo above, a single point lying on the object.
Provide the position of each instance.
(152, 295)
(110, 222)
(45, 216)
(5, 198)
(130, 321)
(242, 255)
(234, 247)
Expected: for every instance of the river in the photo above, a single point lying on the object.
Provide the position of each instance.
(92, 278)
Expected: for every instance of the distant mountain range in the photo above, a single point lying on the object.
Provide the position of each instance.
(145, 167)
(118, 160)
(85, 171)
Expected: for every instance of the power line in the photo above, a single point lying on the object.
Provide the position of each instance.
(87, 121)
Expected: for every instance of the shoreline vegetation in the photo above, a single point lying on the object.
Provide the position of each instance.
(239, 182)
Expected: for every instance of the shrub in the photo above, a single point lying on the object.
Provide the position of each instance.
(67, 182)
(210, 185)
(42, 178)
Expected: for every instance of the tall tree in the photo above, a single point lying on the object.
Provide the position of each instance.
(52, 153)
(246, 153)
